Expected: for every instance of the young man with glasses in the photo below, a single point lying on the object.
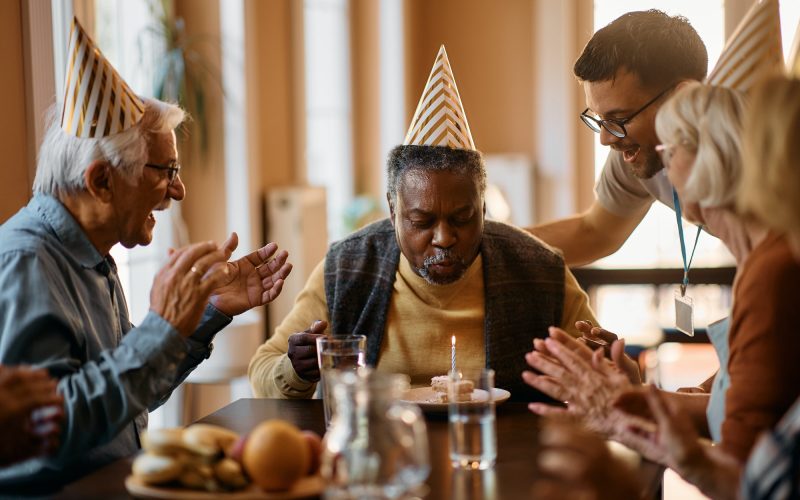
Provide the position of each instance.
(627, 69)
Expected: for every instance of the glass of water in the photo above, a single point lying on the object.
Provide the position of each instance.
(342, 353)
(473, 435)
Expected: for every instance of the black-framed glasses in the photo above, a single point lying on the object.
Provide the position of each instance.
(173, 169)
(616, 126)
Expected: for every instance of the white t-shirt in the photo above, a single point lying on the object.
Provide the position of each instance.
(622, 193)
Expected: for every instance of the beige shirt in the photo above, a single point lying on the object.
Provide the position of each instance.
(422, 318)
(622, 193)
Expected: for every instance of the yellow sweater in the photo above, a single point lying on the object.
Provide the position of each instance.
(422, 317)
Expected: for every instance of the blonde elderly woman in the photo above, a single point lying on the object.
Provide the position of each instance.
(769, 192)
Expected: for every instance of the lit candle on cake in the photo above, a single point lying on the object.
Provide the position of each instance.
(453, 354)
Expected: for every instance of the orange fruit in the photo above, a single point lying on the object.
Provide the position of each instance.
(276, 455)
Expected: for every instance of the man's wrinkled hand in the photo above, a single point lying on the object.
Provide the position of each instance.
(302, 351)
(182, 287)
(254, 280)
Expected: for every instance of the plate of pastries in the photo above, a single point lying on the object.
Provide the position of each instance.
(274, 461)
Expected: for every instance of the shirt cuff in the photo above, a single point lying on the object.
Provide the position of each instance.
(212, 322)
(199, 343)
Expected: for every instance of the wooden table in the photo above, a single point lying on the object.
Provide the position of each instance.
(511, 478)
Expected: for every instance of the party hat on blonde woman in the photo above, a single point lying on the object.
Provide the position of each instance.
(753, 51)
(97, 101)
(440, 119)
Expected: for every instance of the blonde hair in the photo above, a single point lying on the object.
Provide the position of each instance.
(63, 158)
(707, 121)
(770, 188)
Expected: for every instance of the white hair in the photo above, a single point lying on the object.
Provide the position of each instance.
(707, 121)
(64, 158)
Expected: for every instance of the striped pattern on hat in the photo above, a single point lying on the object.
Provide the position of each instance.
(440, 119)
(753, 51)
(97, 101)
(793, 64)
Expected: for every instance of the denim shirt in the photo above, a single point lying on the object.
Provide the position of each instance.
(62, 308)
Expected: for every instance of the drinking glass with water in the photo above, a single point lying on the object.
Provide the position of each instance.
(473, 435)
(338, 352)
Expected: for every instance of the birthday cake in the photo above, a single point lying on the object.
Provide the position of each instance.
(463, 389)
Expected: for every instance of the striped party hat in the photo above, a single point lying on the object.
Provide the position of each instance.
(753, 51)
(440, 119)
(793, 64)
(97, 101)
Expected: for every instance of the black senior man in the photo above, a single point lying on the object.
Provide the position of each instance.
(435, 268)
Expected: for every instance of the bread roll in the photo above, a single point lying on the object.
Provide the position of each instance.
(208, 440)
(156, 469)
(166, 442)
(230, 473)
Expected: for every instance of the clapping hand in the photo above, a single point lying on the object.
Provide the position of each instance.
(670, 438)
(584, 380)
(182, 287)
(254, 280)
(613, 348)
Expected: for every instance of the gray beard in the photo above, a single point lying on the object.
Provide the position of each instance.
(436, 259)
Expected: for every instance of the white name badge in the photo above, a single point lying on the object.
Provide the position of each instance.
(684, 313)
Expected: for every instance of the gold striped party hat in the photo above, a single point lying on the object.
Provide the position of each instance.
(753, 51)
(440, 119)
(97, 101)
(793, 64)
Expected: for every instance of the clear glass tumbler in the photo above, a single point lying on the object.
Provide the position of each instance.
(473, 434)
(342, 353)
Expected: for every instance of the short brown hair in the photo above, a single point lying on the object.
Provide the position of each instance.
(659, 49)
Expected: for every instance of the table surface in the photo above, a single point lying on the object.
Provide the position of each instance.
(512, 476)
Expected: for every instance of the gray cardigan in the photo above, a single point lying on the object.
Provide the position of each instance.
(523, 282)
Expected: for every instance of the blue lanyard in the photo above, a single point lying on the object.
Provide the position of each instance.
(686, 266)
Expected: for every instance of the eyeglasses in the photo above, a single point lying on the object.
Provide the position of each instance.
(173, 169)
(666, 151)
(616, 126)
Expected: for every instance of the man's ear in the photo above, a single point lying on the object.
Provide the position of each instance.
(391, 207)
(98, 180)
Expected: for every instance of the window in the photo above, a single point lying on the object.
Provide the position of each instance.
(329, 150)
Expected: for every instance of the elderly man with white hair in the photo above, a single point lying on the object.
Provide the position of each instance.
(101, 173)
